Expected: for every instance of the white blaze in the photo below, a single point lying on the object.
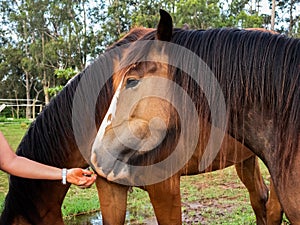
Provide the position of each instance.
(108, 118)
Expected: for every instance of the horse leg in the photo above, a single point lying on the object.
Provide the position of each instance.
(274, 210)
(166, 200)
(286, 183)
(51, 203)
(249, 173)
(113, 201)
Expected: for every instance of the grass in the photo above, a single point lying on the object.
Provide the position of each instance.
(212, 198)
(216, 202)
(80, 201)
(139, 206)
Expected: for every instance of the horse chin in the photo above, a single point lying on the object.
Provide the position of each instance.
(122, 175)
(111, 176)
(98, 170)
(118, 173)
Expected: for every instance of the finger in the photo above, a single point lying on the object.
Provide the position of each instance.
(87, 172)
(82, 187)
(82, 182)
(90, 181)
(88, 185)
(86, 181)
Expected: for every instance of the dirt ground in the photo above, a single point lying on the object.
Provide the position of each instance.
(192, 214)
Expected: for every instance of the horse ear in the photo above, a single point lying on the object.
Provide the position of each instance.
(165, 26)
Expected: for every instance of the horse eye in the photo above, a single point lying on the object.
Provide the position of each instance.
(131, 82)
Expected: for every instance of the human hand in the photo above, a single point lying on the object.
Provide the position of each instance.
(80, 177)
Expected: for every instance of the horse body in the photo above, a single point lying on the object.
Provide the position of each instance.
(50, 140)
(259, 76)
(268, 123)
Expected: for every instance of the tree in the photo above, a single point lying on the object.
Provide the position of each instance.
(242, 15)
(197, 14)
(273, 14)
(145, 13)
(53, 34)
(117, 20)
(292, 20)
(286, 16)
(65, 74)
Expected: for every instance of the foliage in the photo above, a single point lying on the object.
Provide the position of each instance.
(145, 12)
(49, 34)
(55, 90)
(198, 14)
(62, 74)
(287, 17)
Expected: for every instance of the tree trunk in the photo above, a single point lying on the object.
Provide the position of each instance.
(85, 49)
(27, 87)
(292, 22)
(273, 14)
(17, 103)
(46, 90)
(35, 100)
(45, 82)
(27, 76)
(33, 108)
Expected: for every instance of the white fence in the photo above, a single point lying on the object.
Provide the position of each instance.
(2, 107)
(18, 103)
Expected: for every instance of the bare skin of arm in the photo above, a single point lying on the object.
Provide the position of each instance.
(26, 168)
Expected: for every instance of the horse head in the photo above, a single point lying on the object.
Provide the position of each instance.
(142, 118)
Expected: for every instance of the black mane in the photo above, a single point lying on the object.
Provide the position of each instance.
(255, 69)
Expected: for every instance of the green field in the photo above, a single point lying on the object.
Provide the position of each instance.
(211, 198)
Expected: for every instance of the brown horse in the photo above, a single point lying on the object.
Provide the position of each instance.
(252, 112)
(165, 196)
(51, 140)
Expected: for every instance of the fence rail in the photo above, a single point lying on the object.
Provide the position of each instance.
(18, 105)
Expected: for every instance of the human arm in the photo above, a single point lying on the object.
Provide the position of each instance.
(26, 168)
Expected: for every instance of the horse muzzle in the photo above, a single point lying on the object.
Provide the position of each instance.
(116, 153)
